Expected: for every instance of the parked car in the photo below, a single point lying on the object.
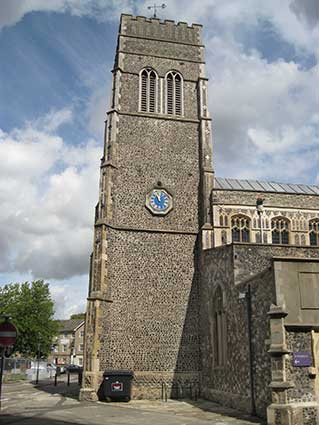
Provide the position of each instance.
(74, 368)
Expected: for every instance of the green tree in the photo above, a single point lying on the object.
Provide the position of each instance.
(78, 316)
(31, 309)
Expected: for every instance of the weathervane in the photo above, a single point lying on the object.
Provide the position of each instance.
(162, 6)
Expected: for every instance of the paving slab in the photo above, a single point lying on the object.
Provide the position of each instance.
(44, 404)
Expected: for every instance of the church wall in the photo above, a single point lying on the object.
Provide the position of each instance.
(303, 391)
(134, 63)
(130, 83)
(151, 325)
(227, 384)
(235, 267)
(160, 151)
(298, 209)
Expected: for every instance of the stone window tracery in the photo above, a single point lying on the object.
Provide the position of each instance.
(280, 230)
(148, 91)
(240, 228)
(174, 93)
(314, 232)
(220, 328)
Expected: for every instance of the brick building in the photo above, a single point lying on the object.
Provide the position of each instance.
(196, 282)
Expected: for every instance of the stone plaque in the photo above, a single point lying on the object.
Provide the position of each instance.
(309, 290)
(302, 359)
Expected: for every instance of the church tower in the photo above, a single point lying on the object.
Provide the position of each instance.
(153, 216)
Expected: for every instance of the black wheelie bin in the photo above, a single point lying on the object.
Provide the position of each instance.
(117, 385)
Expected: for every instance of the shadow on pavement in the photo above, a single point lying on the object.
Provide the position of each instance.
(72, 390)
(32, 420)
(210, 406)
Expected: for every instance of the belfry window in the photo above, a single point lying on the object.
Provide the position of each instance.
(314, 232)
(220, 328)
(280, 230)
(240, 228)
(174, 93)
(148, 90)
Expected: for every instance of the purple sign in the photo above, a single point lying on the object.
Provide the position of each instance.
(302, 359)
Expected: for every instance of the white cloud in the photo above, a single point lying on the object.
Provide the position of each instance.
(47, 192)
(261, 108)
(69, 296)
(14, 10)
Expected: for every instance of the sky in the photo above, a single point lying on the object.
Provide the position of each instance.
(55, 80)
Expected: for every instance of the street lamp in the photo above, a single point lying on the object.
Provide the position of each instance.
(260, 210)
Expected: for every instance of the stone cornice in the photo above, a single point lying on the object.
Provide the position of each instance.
(154, 116)
(120, 227)
(162, 57)
(161, 40)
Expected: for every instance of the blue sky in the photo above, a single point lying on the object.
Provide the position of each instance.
(55, 63)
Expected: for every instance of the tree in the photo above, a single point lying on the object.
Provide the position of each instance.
(78, 316)
(31, 309)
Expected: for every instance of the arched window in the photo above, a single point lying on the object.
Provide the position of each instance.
(220, 336)
(280, 230)
(174, 93)
(314, 232)
(148, 90)
(240, 228)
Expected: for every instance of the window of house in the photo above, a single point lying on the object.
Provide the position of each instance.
(82, 334)
(280, 230)
(80, 361)
(148, 90)
(240, 227)
(314, 232)
(220, 329)
(174, 93)
(81, 347)
(64, 348)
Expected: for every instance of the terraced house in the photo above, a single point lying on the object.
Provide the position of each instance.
(197, 283)
(68, 346)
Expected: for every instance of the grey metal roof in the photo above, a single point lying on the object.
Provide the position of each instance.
(259, 186)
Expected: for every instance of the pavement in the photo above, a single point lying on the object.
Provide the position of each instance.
(45, 404)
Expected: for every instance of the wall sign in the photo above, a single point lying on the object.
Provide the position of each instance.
(117, 386)
(302, 359)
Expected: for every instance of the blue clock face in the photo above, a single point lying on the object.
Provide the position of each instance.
(159, 200)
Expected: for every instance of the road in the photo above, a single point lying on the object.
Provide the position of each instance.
(25, 403)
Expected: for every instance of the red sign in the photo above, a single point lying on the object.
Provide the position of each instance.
(117, 386)
(8, 334)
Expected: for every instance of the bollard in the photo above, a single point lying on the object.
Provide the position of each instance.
(55, 379)
(68, 379)
(80, 378)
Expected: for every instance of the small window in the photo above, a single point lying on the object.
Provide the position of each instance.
(280, 231)
(314, 232)
(174, 93)
(240, 227)
(148, 90)
(81, 347)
